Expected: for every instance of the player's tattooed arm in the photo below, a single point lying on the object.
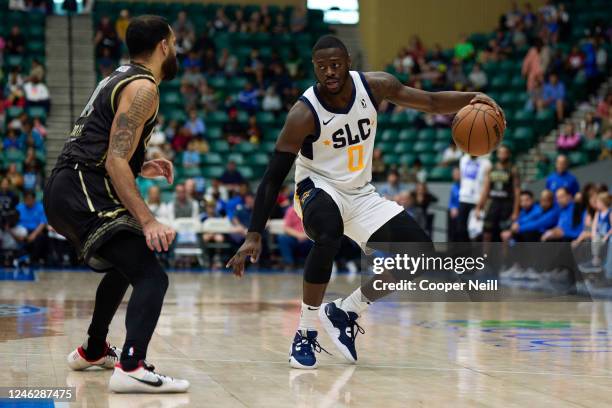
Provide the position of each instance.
(137, 103)
(387, 87)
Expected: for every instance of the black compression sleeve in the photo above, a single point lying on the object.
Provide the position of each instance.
(267, 193)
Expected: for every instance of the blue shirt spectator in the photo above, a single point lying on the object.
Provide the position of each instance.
(553, 90)
(453, 201)
(562, 178)
(538, 219)
(231, 175)
(247, 98)
(566, 223)
(191, 158)
(31, 213)
(195, 124)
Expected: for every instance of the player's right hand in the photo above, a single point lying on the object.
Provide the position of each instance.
(251, 248)
(159, 236)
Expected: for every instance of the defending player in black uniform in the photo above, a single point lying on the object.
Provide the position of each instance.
(500, 193)
(92, 199)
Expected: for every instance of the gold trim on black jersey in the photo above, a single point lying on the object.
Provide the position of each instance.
(89, 203)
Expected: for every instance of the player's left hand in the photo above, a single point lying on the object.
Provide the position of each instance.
(251, 248)
(158, 167)
(487, 100)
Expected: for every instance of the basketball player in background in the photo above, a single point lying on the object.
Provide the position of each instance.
(92, 199)
(331, 131)
(500, 196)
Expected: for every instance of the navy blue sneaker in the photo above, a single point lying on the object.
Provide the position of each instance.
(342, 328)
(302, 353)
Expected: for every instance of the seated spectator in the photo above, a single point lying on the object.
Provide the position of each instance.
(253, 132)
(37, 70)
(294, 241)
(553, 95)
(392, 187)
(32, 180)
(534, 219)
(14, 177)
(193, 76)
(241, 219)
(30, 136)
(221, 22)
(562, 178)
(12, 141)
(413, 174)
(15, 42)
(181, 139)
(156, 206)
(272, 101)
(37, 94)
(464, 49)
(299, 19)
(451, 155)
(228, 63)
(254, 67)
(182, 206)
(589, 126)
(157, 139)
(212, 237)
(478, 78)
(233, 131)
(379, 168)
(575, 60)
(455, 78)
(195, 124)
(248, 98)
(31, 159)
(569, 139)
(32, 218)
(209, 99)
(407, 200)
(106, 37)
(106, 64)
(601, 229)
(191, 156)
(519, 38)
(231, 175)
(210, 63)
(40, 128)
(453, 207)
(570, 222)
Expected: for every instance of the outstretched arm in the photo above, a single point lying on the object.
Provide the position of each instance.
(299, 124)
(386, 86)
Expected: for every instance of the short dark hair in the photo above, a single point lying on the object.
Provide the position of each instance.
(29, 193)
(527, 193)
(144, 33)
(329, 41)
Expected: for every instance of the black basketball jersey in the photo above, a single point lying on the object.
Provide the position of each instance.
(502, 183)
(89, 139)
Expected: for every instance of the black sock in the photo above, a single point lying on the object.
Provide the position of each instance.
(129, 363)
(94, 348)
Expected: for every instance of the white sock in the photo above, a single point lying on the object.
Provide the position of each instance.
(308, 317)
(356, 302)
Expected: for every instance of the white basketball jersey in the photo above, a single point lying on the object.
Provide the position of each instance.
(341, 150)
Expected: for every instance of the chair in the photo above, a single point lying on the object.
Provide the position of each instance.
(188, 241)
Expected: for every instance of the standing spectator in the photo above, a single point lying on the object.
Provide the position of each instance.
(37, 70)
(407, 200)
(533, 67)
(106, 37)
(568, 140)
(15, 42)
(254, 67)
(32, 218)
(451, 155)
(423, 199)
(554, 95)
(464, 49)
(106, 63)
(453, 207)
(473, 171)
(241, 219)
(455, 78)
(294, 241)
(185, 33)
(272, 101)
(478, 78)
(562, 178)
(228, 63)
(575, 60)
(122, 23)
(195, 124)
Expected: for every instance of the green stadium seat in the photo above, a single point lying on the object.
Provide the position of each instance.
(189, 172)
(216, 118)
(13, 156)
(443, 135)
(521, 118)
(219, 146)
(400, 147)
(578, 158)
(389, 135)
(440, 174)
(237, 158)
(177, 114)
(407, 158)
(245, 147)
(440, 146)
(259, 159)
(211, 158)
(386, 147)
(429, 159)
(247, 172)
(391, 159)
(422, 147)
(265, 118)
(14, 111)
(426, 135)
(267, 146)
(408, 135)
(214, 133)
(37, 112)
(212, 172)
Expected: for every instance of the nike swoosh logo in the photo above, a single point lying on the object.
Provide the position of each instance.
(330, 119)
(157, 383)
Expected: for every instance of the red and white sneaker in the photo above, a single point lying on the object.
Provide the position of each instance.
(144, 379)
(78, 361)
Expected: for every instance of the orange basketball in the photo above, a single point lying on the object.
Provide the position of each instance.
(478, 129)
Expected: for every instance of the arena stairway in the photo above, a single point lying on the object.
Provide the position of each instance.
(59, 80)
(527, 162)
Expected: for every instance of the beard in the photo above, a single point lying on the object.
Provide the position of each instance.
(169, 68)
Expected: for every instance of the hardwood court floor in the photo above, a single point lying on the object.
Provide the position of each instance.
(230, 338)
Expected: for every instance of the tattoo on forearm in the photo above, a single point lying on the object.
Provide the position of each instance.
(123, 138)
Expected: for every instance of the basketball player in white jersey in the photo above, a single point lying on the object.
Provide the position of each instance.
(331, 131)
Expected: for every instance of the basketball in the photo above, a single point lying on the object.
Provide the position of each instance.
(477, 129)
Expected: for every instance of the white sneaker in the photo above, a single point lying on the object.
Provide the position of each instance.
(144, 379)
(78, 361)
